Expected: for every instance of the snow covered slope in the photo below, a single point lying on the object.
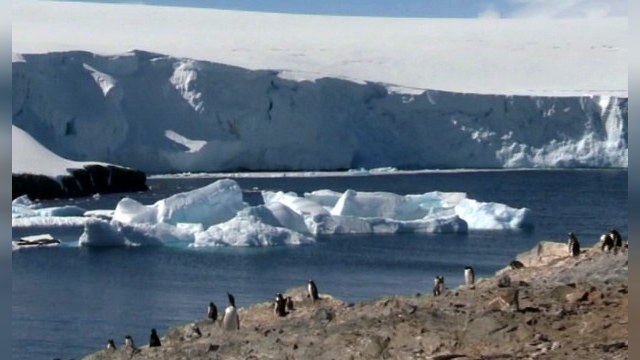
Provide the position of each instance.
(159, 113)
(41, 174)
(504, 56)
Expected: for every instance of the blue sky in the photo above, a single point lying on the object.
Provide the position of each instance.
(414, 8)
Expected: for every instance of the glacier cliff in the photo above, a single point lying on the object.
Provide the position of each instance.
(162, 114)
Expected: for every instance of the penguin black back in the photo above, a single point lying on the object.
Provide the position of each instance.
(313, 290)
(280, 306)
(232, 300)
(438, 287)
(617, 238)
(154, 339)
(128, 342)
(607, 242)
(212, 312)
(289, 301)
(111, 345)
(574, 245)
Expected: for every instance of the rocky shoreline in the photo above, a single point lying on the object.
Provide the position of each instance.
(555, 307)
(88, 180)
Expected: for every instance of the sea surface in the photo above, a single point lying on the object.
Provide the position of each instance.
(67, 301)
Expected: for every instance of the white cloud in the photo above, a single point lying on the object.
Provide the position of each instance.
(569, 8)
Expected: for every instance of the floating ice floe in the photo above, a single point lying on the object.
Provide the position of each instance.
(255, 226)
(329, 212)
(209, 205)
(215, 215)
(34, 242)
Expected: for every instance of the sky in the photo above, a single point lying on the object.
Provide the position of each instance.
(414, 8)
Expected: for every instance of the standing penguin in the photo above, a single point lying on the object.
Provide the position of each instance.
(128, 343)
(469, 277)
(154, 339)
(289, 301)
(231, 320)
(438, 287)
(111, 345)
(279, 307)
(312, 291)
(212, 312)
(607, 242)
(617, 240)
(573, 245)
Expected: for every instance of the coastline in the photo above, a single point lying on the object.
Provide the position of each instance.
(555, 307)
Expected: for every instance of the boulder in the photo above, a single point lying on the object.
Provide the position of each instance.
(543, 254)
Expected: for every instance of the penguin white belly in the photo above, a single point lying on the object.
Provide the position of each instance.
(469, 277)
(231, 320)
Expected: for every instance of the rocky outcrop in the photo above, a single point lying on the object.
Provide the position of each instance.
(571, 308)
(90, 179)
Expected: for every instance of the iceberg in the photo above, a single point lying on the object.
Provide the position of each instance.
(329, 212)
(101, 233)
(251, 227)
(215, 215)
(209, 205)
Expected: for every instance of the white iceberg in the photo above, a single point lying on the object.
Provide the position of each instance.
(251, 227)
(100, 233)
(215, 215)
(209, 205)
(330, 212)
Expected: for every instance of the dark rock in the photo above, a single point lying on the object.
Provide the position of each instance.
(35, 186)
(613, 346)
(504, 281)
(90, 179)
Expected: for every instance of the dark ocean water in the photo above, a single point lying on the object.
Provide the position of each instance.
(66, 302)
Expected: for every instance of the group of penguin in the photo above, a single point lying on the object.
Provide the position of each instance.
(610, 241)
(283, 306)
(469, 281)
(230, 319)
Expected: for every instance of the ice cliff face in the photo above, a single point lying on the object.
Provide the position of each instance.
(163, 114)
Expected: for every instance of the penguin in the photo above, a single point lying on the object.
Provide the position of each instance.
(212, 312)
(312, 291)
(111, 345)
(438, 287)
(289, 302)
(128, 343)
(279, 307)
(617, 240)
(154, 340)
(607, 242)
(469, 277)
(195, 330)
(573, 245)
(515, 264)
(230, 320)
